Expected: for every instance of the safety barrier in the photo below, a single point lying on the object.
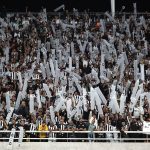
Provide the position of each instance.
(119, 138)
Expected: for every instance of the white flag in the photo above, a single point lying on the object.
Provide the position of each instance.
(21, 133)
(51, 108)
(11, 139)
(46, 88)
(7, 101)
(19, 97)
(11, 109)
(38, 98)
(31, 103)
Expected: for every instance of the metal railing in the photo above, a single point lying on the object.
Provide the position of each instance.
(84, 137)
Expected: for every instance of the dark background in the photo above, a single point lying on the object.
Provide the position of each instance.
(81, 5)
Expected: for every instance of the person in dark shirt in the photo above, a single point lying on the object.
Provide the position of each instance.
(61, 127)
(134, 126)
(71, 127)
(81, 127)
(23, 110)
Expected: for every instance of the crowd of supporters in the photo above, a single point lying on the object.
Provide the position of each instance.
(74, 72)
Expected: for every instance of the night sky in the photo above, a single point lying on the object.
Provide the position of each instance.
(81, 5)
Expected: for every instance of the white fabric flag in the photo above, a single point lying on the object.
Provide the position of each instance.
(72, 50)
(60, 104)
(31, 103)
(142, 72)
(102, 67)
(70, 85)
(122, 102)
(102, 25)
(134, 97)
(76, 76)
(98, 102)
(44, 51)
(11, 139)
(139, 57)
(131, 106)
(113, 8)
(7, 54)
(135, 9)
(135, 69)
(137, 96)
(43, 70)
(84, 99)
(48, 46)
(11, 109)
(135, 89)
(24, 87)
(82, 47)
(92, 100)
(31, 71)
(122, 68)
(38, 56)
(52, 67)
(146, 47)
(46, 88)
(110, 17)
(59, 8)
(73, 112)
(79, 107)
(99, 92)
(38, 98)
(57, 73)
(21, 133)
(48, 73)
(143, 22)
(125, 58)
(45, 14)
(51, 108)
(53, 29)
(70, 63)
(20, 80)
(7, 101)
(77, 62)
(19, 97)
(115, 103)
(78, 86)
(69, 107)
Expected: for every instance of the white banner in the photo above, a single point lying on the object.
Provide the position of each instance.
(38, 98)
(113, 8)
(11, 109)
(51, 108)
(46, 88)
(24, 87)
(31, 103)
(21, 133)
(19, 97)
(142, 72)
(7, 101)
(11, 139)
(52, 67)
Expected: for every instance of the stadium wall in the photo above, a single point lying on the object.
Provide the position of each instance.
(76, 146)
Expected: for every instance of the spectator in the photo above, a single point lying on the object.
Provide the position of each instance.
(43, 127)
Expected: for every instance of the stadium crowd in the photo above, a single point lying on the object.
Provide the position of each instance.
(74, 72)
